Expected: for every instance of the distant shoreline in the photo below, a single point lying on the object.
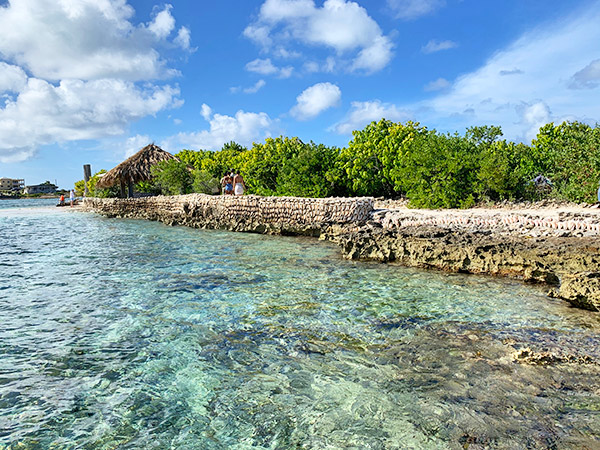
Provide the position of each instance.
(28, 198)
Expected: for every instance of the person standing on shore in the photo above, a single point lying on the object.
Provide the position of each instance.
(238, 184)
(72, 197)
(227, 184)
(62, 200)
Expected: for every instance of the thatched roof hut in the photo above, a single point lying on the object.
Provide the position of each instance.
(136, 168)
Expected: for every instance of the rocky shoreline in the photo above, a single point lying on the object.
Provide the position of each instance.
(554, 245)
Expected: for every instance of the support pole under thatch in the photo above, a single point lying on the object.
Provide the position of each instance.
(130, 190)
(122, 194)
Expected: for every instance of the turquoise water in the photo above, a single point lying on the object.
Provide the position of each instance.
(28, 202)
(133, 335)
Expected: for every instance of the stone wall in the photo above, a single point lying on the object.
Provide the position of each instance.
(278, 215)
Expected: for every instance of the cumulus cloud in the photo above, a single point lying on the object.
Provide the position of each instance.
(43, 113)
(412, 9)
(163, 23)
(437, 46)
(534, 115)
(340, 25)
(266, 67)
(316, 99)
(363, 113)
(73, 70)
(12, 78)
(206, 111)
(86, 39)
(437, 85)
(243, 128)
(588, 77)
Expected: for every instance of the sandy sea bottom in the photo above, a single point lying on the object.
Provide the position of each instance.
(131, 334)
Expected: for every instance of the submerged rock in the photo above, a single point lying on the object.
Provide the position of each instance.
(554, 247)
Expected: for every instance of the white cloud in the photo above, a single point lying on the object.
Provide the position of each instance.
(363, 113)
(437, 46)
(259, 34)
(437, 85)
(69, 68)
(84, 39)
(262, 66)
(277, 10)
(243, 128)
(12, 78)
(316, 99)
(163, 23)
(206, 111)
(266, 67)
(588, 77)
(412, 9)
(249, 90)
(375, 57)
(343, 26)
(184, 37)
(43, 113)
(543, 65)
(135, 143)
(534, 116)
(254, 89)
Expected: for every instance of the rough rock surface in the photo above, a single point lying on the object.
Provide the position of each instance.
(570, 263)
(250, 213)
(558, 247)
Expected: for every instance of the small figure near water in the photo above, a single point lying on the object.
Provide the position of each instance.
(239, 184)
(61, 201)
(72, 197)
(227, 184)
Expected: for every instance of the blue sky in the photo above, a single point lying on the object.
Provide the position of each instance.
(93, 81)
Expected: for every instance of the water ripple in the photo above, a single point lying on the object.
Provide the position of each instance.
(131, 334)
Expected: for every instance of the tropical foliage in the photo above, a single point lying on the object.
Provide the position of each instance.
(389, 159)
(93, 190)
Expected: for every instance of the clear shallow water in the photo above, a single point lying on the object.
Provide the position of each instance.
(28, 202)
(131, 334)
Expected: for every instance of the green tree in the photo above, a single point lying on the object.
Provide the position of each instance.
(173, 177)
(307, 172)
(374, 158)
(505, 169)
(569, 155)
(440, 171)
(204, 182)
(93, 190)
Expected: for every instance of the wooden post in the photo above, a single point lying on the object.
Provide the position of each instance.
(122, 189)
(87, 174)
(130, 190)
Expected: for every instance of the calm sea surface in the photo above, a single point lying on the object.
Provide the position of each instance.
(134, 335)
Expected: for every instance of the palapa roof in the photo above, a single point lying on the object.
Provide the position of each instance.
(135, 168)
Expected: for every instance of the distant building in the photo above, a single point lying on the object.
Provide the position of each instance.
(11, 184)
(44, 188)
